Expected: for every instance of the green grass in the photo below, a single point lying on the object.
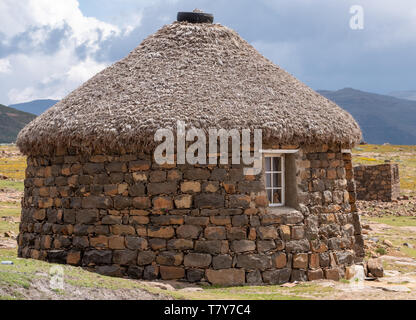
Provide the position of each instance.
(13, 167)
(12, 185)
(302, 291)
(15, 279)
(395, 221)
(381, 251)
(411, 252)
(9, 210)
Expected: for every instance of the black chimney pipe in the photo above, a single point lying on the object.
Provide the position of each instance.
(195, 17)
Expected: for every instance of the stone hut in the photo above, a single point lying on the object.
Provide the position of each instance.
(95, 197)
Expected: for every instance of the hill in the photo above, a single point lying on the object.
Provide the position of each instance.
(11, 122)
(382, 118)
(36, 107)
(409, 94)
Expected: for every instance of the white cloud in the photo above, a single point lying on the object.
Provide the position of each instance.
(18, 16)
(42, 73)
(5, 66)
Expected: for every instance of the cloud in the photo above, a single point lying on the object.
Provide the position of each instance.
(50, 47)
(42, 41)
(5, 66)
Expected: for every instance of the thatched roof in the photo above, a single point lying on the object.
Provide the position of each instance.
(203, 74)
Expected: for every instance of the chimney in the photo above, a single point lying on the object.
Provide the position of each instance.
(197, 16)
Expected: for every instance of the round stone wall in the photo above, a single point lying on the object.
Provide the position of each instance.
(123, 215)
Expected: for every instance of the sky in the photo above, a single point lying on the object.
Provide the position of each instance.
(50, 47)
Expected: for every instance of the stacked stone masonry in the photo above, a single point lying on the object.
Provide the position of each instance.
(379, 182)
(123, 215)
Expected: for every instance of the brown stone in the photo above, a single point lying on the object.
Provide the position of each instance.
(98, 159)
(215, 233)
(162, 203)
(197, 260)
(300, 261)
(145, 257)
(111, 220)
(226, 277)
(161, 232)
(269, 232)
(139, 177)
(279, 260)
(229, 188)
(174, 175)
(220, 220)
(298, 232)
(139, 213)
(240, 246)
(160, 188)
(45, 203)
(116, 242)
(239, 201)
(151, 272)
(157, 244)
(261, 201)
(313, 261)
(73, 258)
(169, 258)
(139, 220)
(141, 203)
(39, 215)
(316, 274)
(209, 200)
(157, 176)
(180, 244)
(139, 165)
(191, 186)
(188, 231)
(375, 267)
(210, 186)
(141, 230)
(237, 233)
(171, 273)
(99, 242)
(252, 235)
(122, 230)
(285, 232)
(270, 219)
(183, 202)
(332, 274)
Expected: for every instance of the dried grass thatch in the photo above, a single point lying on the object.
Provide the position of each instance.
(203, 74)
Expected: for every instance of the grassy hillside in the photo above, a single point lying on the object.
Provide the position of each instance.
(11, 122)
(36, 107)
(381, 118)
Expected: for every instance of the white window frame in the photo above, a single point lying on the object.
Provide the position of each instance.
(272, 172)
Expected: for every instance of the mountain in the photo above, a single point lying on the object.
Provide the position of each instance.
(36, 107)
(409, 94)
(382, 118)
(11, 122)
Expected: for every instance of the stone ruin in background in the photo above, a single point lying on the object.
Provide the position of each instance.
(377, 182)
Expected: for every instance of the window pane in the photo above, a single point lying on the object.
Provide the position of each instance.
(277, 180)
(268, 180)
(277, 164)
(277, 196)
(269, 195)
(268, 168)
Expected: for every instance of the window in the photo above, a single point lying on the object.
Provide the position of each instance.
(275, 180)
